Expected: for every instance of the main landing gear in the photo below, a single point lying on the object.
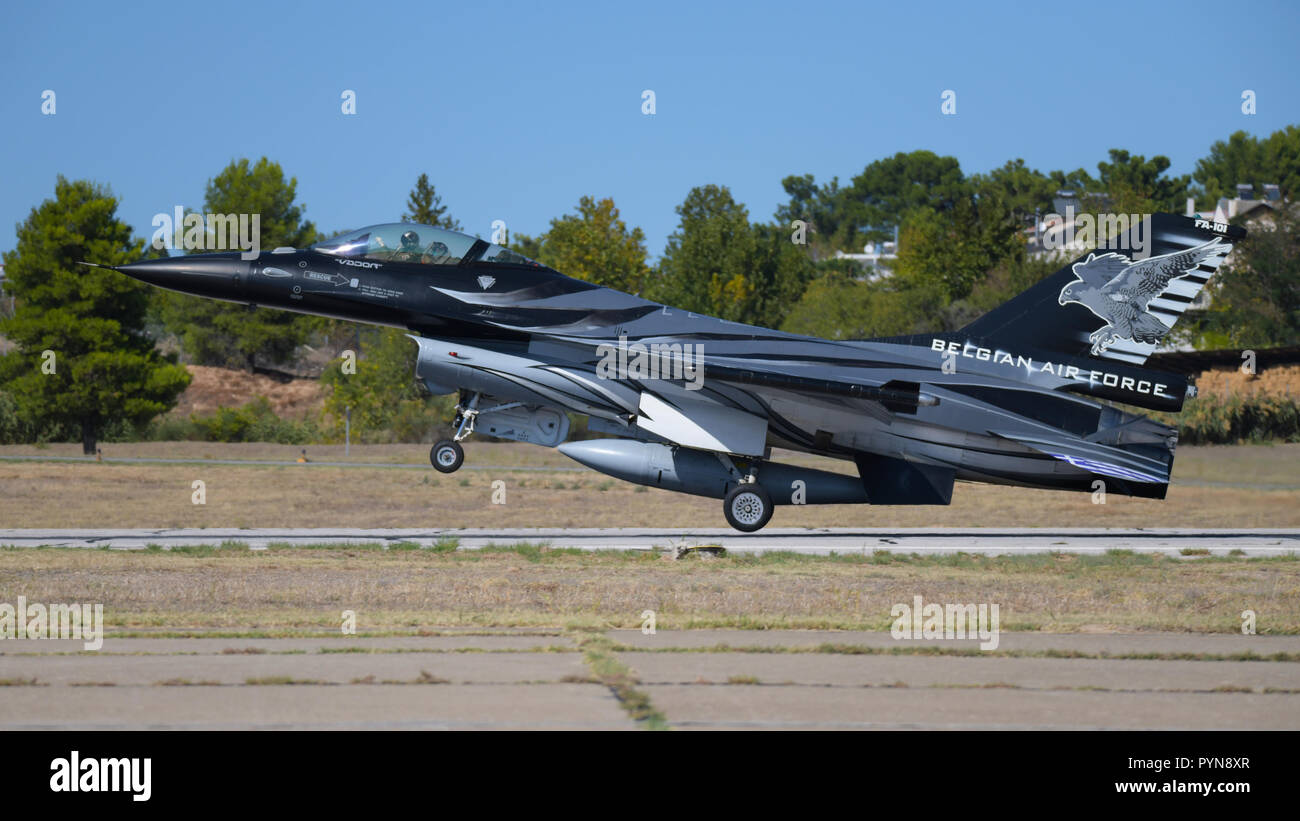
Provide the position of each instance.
(747, 506)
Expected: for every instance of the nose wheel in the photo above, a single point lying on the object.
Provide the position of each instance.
(747, 507)
(447, 456)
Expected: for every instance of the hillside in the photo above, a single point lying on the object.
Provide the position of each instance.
(213, 388)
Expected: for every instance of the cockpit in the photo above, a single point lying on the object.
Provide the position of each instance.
(413, 242)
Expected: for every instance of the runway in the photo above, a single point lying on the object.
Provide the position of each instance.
(816, 541)
(698, 679)
(240, 639)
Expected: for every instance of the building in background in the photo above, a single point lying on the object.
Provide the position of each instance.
(1244, 205)
(876, 260)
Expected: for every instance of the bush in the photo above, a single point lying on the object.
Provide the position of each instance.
(253, 422)
(1235, 419)
(419, 420)
(17, 428)
(11, 427)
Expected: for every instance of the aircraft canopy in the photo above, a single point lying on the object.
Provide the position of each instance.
(413, 242)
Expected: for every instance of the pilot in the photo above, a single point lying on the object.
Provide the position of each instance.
(438, 253)
(410, 250)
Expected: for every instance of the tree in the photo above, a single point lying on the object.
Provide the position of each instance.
(262, 189)
(384, 398)
(1136, 185)
(717, 263)
(423, 205)
(837, 305)
(707, 254)
(1020, 191)
(782, 271)
(819, 208)
(1255, 295)
(83, 361)
(530, 247)
(951, 251)
(1243, 158)
(228, 335)
(594, 244)
(888, 190)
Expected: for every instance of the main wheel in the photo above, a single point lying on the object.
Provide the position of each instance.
(446, 456)
(747, 507)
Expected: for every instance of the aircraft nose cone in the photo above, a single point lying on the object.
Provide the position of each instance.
(214, 275)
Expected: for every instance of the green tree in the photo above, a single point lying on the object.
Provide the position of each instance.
(228, 335)
(423, 205)
(1243, 158)
(707, 254)
(1137, 185)
(819, 208)
(530, 247)
(717, 263)
(102, 368)
(594, 244)
(888, 190)
(950, 251)
(386, 402)
(838, 305)
(1019, 190)
(1255, 295)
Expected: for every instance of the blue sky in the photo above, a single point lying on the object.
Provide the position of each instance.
(517, 110)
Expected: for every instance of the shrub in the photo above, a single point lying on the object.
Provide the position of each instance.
(1225, 421)
(253, 422)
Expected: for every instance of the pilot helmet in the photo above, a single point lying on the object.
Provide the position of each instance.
(410, 241)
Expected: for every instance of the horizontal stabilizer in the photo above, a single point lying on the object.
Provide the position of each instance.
(1102, 460)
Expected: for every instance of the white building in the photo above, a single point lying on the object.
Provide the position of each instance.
(876, 259)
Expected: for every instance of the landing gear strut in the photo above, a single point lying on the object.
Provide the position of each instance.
(466, 414)
(447, 455)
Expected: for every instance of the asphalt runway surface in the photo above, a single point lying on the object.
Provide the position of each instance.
(820, 541)
(698, 679)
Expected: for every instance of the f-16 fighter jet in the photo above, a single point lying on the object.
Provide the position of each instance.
(695, 404)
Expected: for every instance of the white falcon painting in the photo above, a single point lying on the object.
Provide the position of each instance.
(1119, 290)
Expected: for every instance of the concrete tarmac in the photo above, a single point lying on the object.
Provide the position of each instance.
(697, 679)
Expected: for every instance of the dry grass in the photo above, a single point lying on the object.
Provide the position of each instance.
(67, 495)
(407, 591)
(1281, 381)
(482, 453)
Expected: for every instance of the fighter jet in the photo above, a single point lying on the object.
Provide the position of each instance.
(1026, 395)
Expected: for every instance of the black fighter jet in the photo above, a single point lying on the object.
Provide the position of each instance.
(695, 404)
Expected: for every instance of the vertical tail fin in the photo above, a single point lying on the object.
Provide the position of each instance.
(1117, 302)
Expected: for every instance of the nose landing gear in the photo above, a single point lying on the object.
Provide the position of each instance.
(447, 455)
